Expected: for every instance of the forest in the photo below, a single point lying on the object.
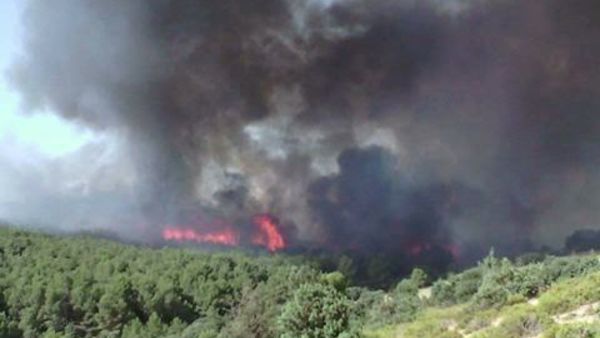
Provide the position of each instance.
(79, 286)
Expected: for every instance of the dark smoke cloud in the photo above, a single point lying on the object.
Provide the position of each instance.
(583, 240)
(399, 126)
(369, 206)
(367, 73)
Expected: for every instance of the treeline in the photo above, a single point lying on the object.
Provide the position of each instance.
(65, 287)
(87, 287)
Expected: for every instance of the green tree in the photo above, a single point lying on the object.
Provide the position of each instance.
(419, 277)
(316, 311)
(114, 311)
(8, 329)
(494, 289)
(335, 279)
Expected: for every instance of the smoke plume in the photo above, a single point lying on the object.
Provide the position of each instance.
(403, 127)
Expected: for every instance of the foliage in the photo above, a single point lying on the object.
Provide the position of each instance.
(316, 311)
(580, 330)
(434, 323)
(530, 258)
(559, 268)
(496, 281)
(457, 288)
(529, 280)
(336, 280)
(84, 287)
(567, 296)
(400, 305)
(513, 316)
(419, 277)
(491, 293)
(522, 321)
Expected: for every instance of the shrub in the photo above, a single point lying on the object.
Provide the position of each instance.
(335, 279)
(467, 284)
(568, 295)
(490, 294)
(558, 268)
(401, 305)
(457, 288)
(407, 307)
(316, 310)
(443, 292)
(521, 323)
(419, 277)
(530, 258)
(432, 323)
(493, 291)
(529, 280)
(430, 329)
(407, 287)
(377, 308)
(574, 331)
(8, 329)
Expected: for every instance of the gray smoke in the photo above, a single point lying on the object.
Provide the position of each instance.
(368, 125)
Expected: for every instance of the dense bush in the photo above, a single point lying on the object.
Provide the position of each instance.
(491, 293)
(530, 258)
(495, 281)
(316, 311)
(407, 305)
(457, 288)
(443, 291)
(529, 280)
(566, 297)
(558, 268)
(577, 330)
(400, 305)
(419, 277)
(522, 322)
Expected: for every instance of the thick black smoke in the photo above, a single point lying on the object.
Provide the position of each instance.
(370, 205)
(402, 127)
(583, 240)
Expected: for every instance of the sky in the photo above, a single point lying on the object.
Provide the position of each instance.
(38, 131)
(35, 146)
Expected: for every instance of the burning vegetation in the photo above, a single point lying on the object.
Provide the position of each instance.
(265, 233)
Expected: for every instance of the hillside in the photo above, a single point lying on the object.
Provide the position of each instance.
(87, 287)
(553, 298)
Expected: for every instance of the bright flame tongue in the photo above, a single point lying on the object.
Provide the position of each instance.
(224, 237)
(265, 234)
(268, 235)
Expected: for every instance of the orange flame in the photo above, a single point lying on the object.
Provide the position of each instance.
(269, 235)
(265, 233)
(224, 237)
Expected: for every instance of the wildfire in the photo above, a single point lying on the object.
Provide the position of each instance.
(265, 233)
(225, 237)
(268, 235)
